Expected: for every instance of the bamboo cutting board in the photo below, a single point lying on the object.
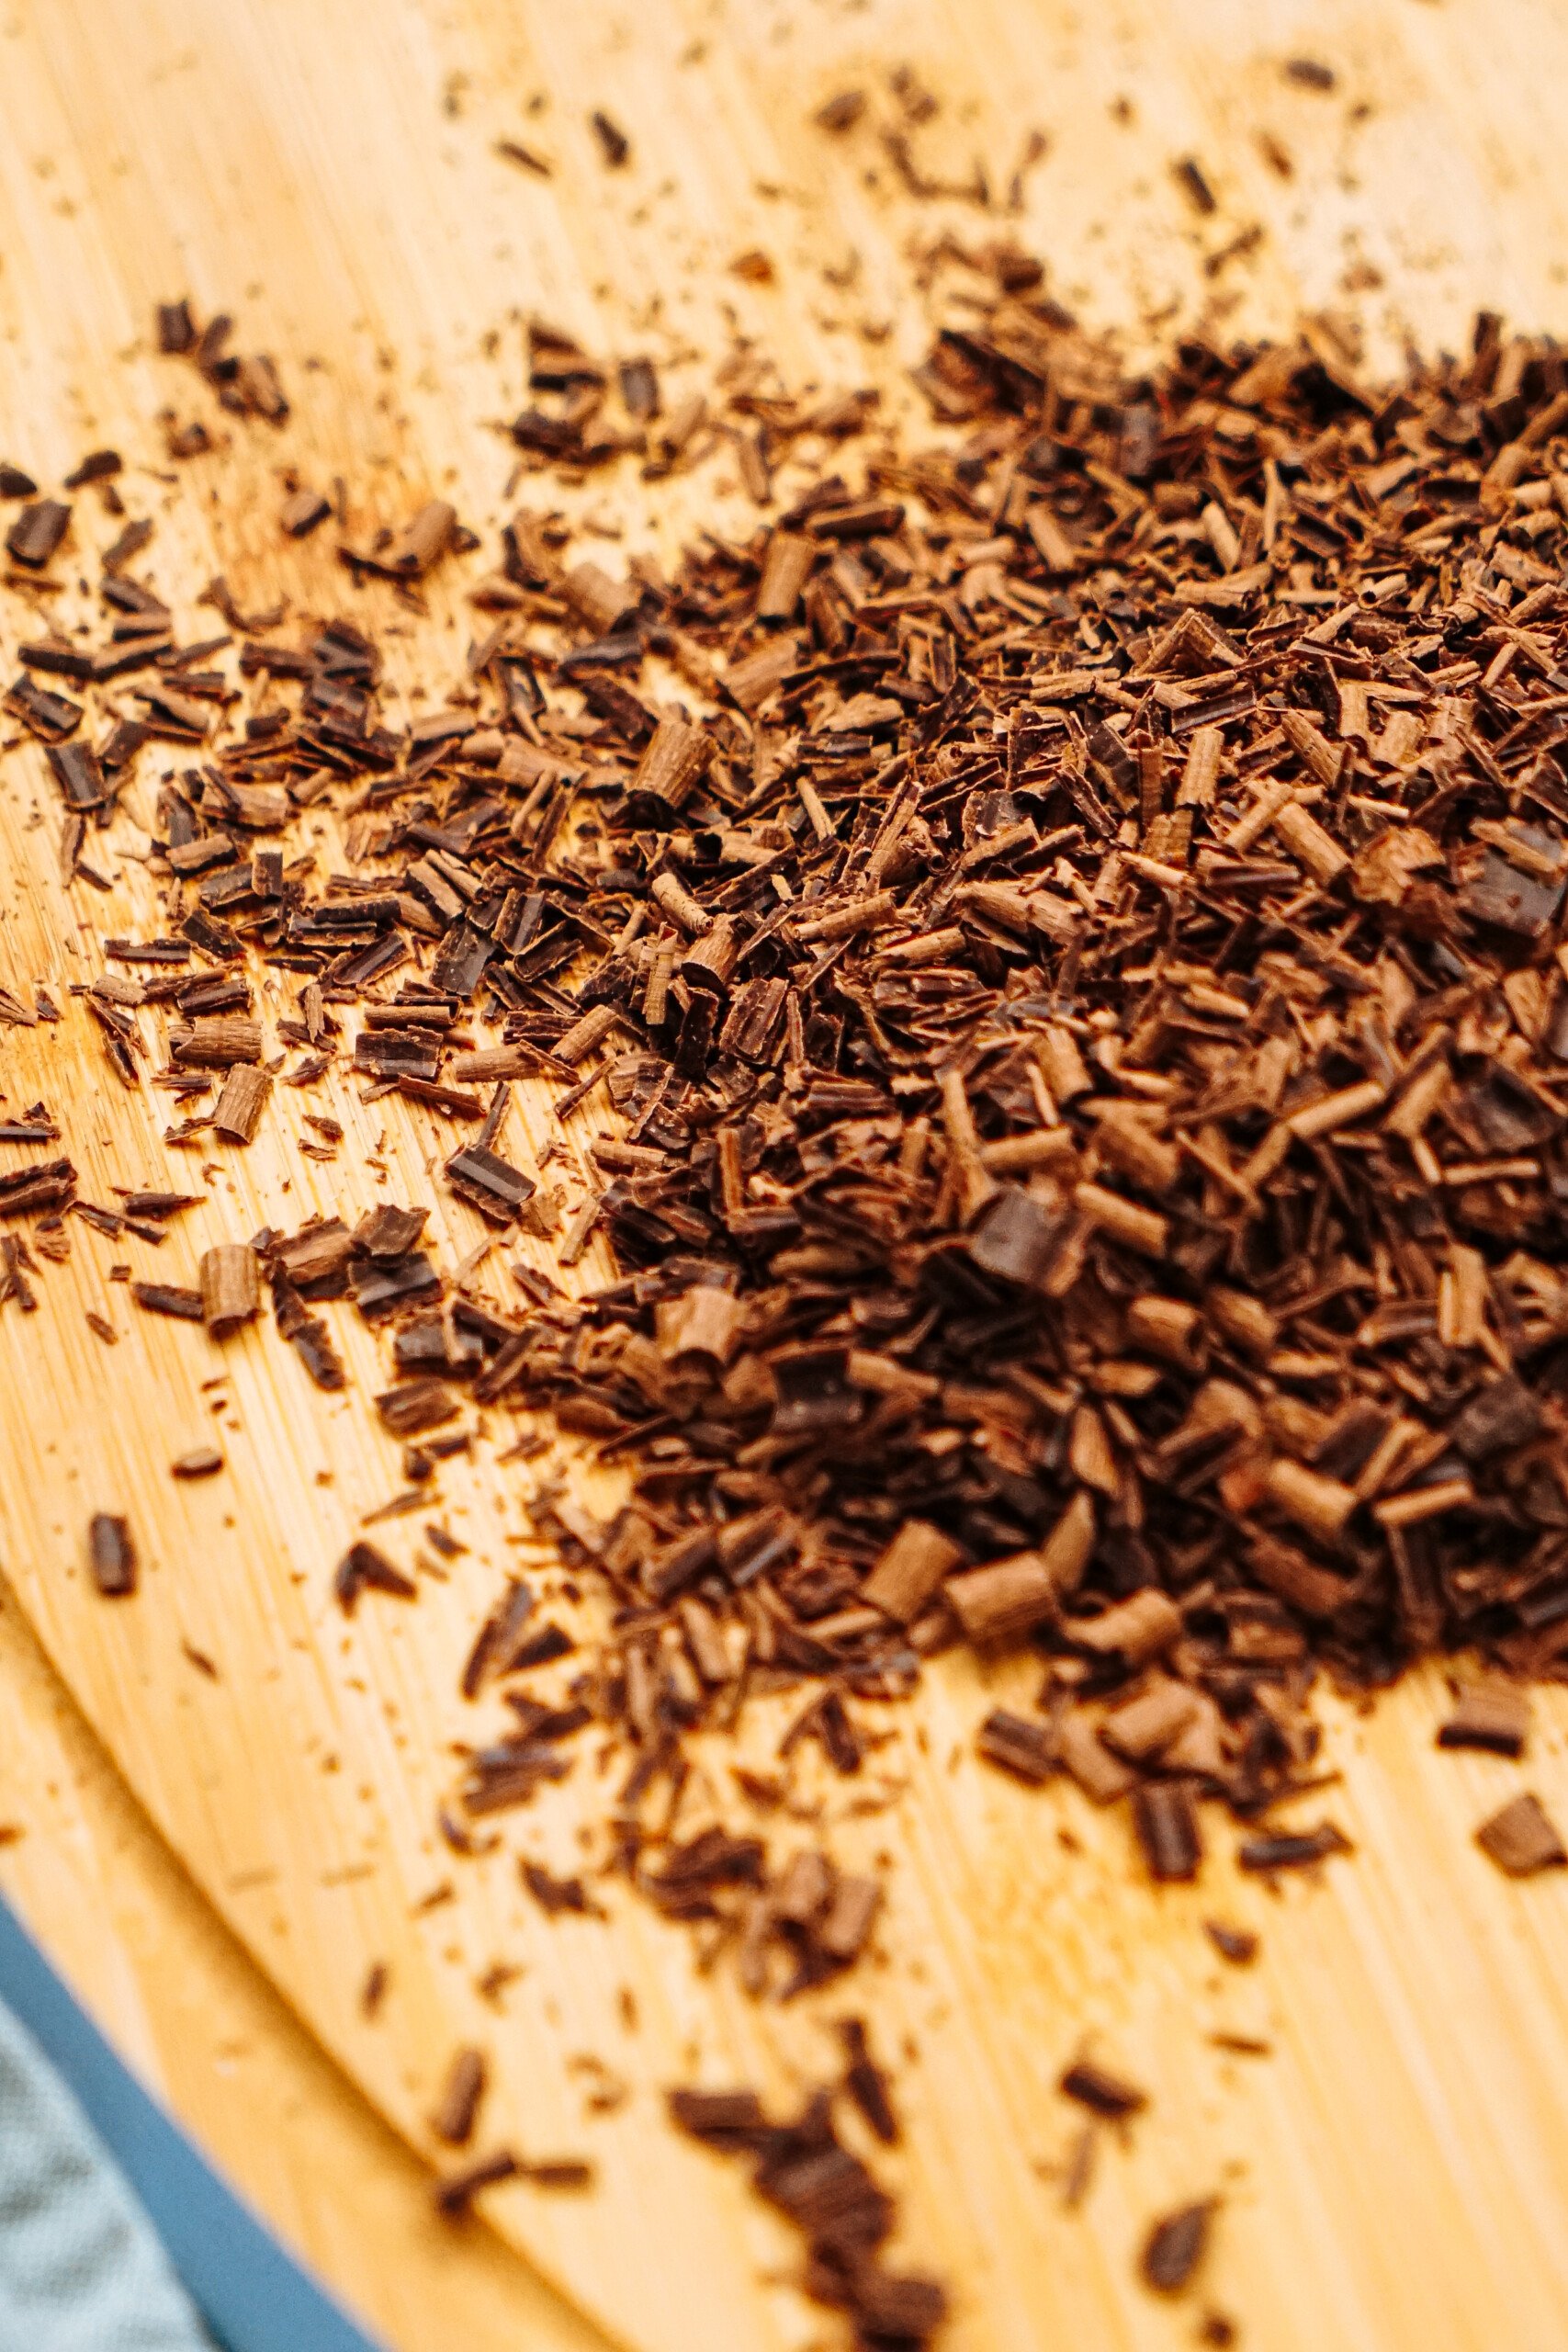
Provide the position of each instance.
(206, 2033)
(1392, 2173)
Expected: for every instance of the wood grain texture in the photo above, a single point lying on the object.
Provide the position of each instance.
(142, 1949)
(1393, 2174)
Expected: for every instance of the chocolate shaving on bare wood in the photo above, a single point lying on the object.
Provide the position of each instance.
(112, 1557)
(805, 2170)
(1175, 2247)
(1522, 1838)
(459, 2104)
(1051, 958)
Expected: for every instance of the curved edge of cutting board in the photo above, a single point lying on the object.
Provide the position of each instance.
(1359, 1931)
(108, 1903)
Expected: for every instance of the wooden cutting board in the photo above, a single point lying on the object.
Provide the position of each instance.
(148, 1957)
(1392, 2172)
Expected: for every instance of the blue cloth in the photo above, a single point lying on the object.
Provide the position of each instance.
(251, 2296)
(81, 2269)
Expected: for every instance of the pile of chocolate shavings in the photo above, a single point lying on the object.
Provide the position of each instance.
(1059, 935)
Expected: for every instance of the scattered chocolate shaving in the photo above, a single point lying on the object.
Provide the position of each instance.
(613, 144)
(14, 1265)
(1019, 1745)
(169, 1298)
(302, 511)
(554, 1894)
(200, 1462)
(1102, 2092)
(1522, 1838)
(513, 150)
(34, 1191)
(1492, 1715)
(241, 1100)
(1193, 182)
(455, 2193)
(842, 112)
(1175, 2247)
(111, 1556)
(458, 2108)
(364, 1568)
(803, 2170)
(37, 532)
(1167, 1824)
(1239, 1945)
(99, 465)
(866, 2083)
(1291, 1850)
(230, 1287)
(569, 2173)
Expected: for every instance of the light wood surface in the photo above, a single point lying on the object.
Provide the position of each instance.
(1393, 2173)
(148, 1957)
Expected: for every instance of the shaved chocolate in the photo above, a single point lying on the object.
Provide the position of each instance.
(37, 532)
(1291, 1850)
(230, 1287)
(1175, 2247)
(458, 2109)
(1020, 1747)
(416, 1406)
(1492, 1715)
(1167, 1824)
(112, 1557)
(200, 1462)
(1103, 2093)
(241, 1100)
(32, 1192)
(169, 1298)
(803, 2170)
(490, 1184)
(613, 144)
(1239, 1945)
(866, 2083)
(554, 1894)
(455, 2192)
(364, 1568)
(1050, 946)
(1522, 1838)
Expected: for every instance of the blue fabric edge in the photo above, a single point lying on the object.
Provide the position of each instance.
(254, 2296)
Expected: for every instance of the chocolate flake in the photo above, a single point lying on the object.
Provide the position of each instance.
(1492, 1715)
(230, 1287)
(458, 2109)
(37, 532)
(1290, 1851)
(200, 1462)
(1167, 1822)
(1522, 1838)
(803, 2170)
(1175, 2247)
(363, 1568)
(32, 1192)
(455, 2193)
(1063, 1020)
(554, 1894)
(1102, 2092)
(169, 1298)
(613, 144)
(112, 1557)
